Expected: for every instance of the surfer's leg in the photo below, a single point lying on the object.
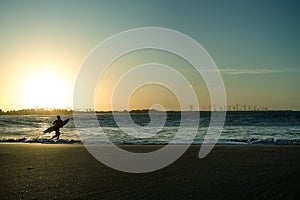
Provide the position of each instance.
(56, 134)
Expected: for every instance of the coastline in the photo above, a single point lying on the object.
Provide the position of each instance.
(43, 171)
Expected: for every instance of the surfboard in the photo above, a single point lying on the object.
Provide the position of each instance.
(52, 128)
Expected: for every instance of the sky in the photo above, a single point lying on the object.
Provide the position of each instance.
(255, 44)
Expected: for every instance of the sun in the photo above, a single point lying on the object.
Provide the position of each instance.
(44, 89)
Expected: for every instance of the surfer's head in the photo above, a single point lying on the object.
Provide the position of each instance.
(58, 117)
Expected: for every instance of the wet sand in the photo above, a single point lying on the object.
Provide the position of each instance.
(42, 171)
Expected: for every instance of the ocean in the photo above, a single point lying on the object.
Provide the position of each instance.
(244, 128)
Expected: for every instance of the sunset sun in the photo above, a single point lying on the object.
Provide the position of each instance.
(44, 89)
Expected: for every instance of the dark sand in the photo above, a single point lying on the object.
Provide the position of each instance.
(40, 171)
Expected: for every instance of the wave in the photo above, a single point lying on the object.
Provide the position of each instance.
(268, 141)
(41, 141)
(252, 141)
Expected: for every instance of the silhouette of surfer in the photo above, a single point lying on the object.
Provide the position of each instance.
(58, 124)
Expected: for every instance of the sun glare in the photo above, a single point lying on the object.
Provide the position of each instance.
(44, 89)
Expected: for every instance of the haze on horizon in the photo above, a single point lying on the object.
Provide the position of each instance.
(255, 44)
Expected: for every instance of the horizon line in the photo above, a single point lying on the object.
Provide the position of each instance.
(88, 110)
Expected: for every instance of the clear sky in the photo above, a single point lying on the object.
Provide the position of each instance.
(255, 44)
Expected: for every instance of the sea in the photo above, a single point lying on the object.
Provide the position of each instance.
(240, 127)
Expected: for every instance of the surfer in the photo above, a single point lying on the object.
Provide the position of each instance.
(58, 124)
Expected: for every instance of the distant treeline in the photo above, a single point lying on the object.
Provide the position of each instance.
(43, 111)
(37, 111)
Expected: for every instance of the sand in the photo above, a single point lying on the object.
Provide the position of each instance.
(50, 171)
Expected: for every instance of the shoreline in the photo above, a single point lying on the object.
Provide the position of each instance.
(43, 171)
(233, 142)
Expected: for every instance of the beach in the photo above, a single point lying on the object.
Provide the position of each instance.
(61, 171)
